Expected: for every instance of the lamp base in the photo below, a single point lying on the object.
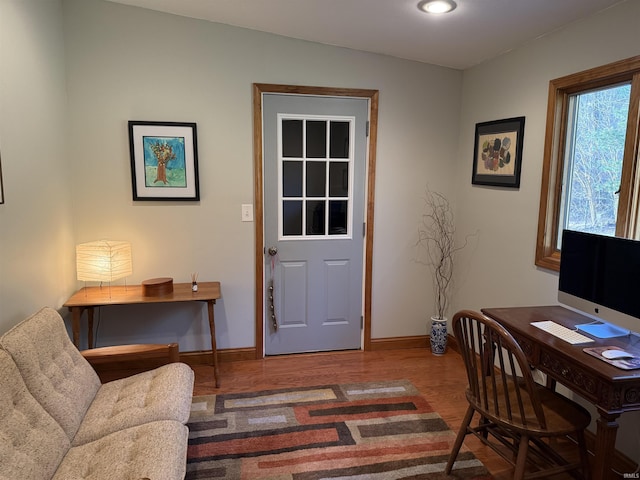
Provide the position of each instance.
(156, 287)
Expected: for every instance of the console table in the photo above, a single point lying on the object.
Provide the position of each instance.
(88, 298)
(612, 390)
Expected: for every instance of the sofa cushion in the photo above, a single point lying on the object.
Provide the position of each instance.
(160, 394)
(32, 444)
(157, 451)
(53, 369)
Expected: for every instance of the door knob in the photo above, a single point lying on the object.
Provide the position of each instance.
(272, 251)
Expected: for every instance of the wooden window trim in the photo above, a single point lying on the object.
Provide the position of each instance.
(547, 254)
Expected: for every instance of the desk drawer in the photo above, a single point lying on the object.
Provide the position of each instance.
(547, 361)
(608, 396)
(529, 348)
(571, 375)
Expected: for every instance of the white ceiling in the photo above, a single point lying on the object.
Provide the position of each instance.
(476, 31)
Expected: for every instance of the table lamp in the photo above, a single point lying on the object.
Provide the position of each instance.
(103, 261)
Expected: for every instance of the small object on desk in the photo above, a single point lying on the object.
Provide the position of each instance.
(157, 287)
(613, 354)
(628, 361)
(194, 282)
(602, 330)
(562, 332)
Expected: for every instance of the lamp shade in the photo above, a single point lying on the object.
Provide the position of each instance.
(103, 261)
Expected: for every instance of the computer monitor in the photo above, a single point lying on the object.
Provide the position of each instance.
(600, 276)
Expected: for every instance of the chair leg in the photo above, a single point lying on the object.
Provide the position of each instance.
(466, 421)
(521, 460)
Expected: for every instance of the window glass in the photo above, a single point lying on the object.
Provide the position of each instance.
(339, 142)
(315, 165)
(292, 217)
(292, 138)
(291, 179)
(337, 217)
(316, 179)
(316, 139)
(339, 179)
(594, 150)
(315, 217)
(590, 177)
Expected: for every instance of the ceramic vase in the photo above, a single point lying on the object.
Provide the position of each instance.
(438, 335)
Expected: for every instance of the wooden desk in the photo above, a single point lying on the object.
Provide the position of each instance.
(88, 298)
(612, 390)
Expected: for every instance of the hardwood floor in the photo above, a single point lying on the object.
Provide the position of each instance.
(440, 379)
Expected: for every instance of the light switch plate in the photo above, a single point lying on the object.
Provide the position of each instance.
(247, 213)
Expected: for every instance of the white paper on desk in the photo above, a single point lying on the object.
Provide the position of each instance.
(602, 330)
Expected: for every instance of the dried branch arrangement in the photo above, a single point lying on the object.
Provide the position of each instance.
(436, 239)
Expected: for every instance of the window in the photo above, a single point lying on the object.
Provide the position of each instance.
(316, 162)
(590, 180)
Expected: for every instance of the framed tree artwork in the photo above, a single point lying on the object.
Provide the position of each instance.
(497, 154)
(164, 160)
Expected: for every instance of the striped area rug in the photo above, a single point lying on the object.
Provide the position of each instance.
(372, 431)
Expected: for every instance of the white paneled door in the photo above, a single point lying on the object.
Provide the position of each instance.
(314, 189)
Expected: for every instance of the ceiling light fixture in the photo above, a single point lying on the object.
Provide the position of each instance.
(437, 6)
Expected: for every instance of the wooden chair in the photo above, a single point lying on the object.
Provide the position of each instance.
(517, 417)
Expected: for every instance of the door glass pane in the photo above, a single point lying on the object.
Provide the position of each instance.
(315, 191)
(338, 217)
(316, 179)
(315, 217)
(292, 138)
(339, 179)
(316, 139)
(339, 140)
(596, 128)
(291, 179)
(292, 217)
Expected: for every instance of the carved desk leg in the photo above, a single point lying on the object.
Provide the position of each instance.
(607, 429)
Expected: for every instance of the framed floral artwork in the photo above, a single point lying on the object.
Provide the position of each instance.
(497, 153)
(164, 160)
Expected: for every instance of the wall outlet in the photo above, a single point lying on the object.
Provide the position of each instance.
(247, 213)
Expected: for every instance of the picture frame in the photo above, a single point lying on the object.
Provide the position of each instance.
(497, 153)
(164, 161)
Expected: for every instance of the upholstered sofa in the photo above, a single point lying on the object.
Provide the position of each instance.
(57, 421)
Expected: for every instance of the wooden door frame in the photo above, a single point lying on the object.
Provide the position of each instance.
(372, 96)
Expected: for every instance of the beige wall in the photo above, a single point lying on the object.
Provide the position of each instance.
(127, 63)
(36, 234)
(499, 269)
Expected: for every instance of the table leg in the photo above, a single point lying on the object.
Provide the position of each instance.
(76, 313)
(214, 350)
(606, 431)
(90, 327)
